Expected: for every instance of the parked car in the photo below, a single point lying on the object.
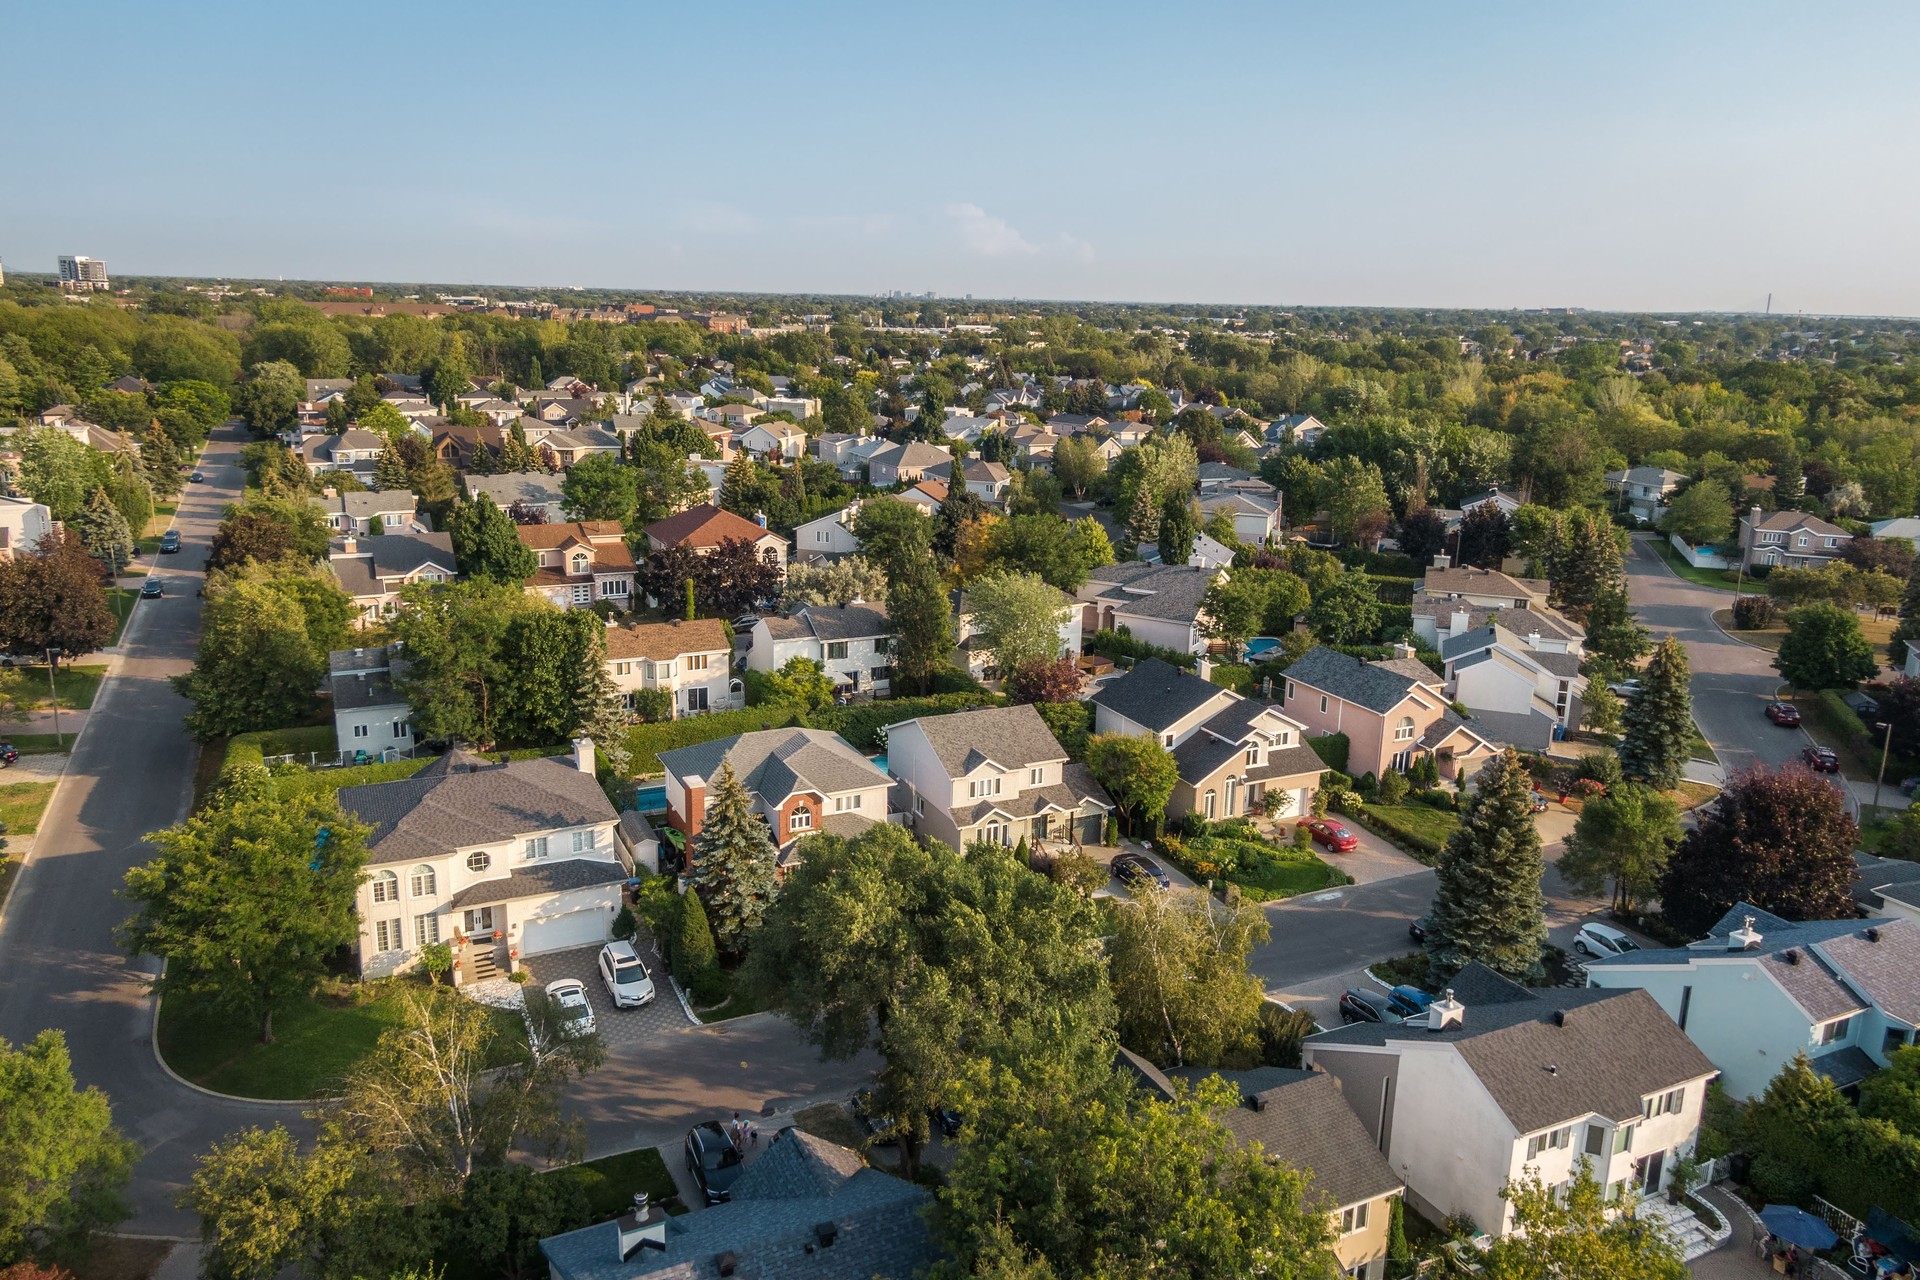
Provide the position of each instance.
(1360, 1005)
(1417, 929)
(625, 975)
(1626, 690)
(1133, 869)
(880, 1129)
(946, 1121)
(169, 542)
(1783, 713)
(195, 478)
(713, 1161)
(150, 589)
(1821, 759)
(571, 1008)
(1407, 1001)
(1332, 835)
(8, 754)
(1602, 940)
(1538, 802)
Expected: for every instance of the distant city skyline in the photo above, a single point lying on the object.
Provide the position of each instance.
(1636, 158)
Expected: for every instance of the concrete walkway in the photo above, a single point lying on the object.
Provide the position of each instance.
(1738, 1258)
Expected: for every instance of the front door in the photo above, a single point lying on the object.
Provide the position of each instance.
(479, 922)
(1650, 1170)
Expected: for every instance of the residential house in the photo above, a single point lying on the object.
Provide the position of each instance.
(1303, 1118)
(802, 408)
(964, 426)
(1497, 1081)
(580, 562)
(1520, 688)
(1073, 424)
(907, 463)
(803, 1207)
(737, 417)
(1438, 619)
(503, 861)
(928, 495)
(772, 440)
(369, 714)
(852, 642)
(394, 511)
(690, 660)
(1209, 554)
(1758, 990)
(1302, 430)
(1643, 491)
(1907, 527)
(373, 571)
(980, 661)
(1231, 752)
(319, 393)
(1793, 539)
(849, 453)
(801, 781)
(1158, 603)
(533, 490)
(996, 774)
(458, 446)
(354, 450)
(23, 522)
(1391, 712)
(1506, 502)
(1256, 518)
(986, 481)
(1446, 592)
(706, 526)
(583, 440)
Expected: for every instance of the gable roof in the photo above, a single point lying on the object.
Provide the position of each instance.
(663, 641)
(774, 763)
(1156, 695)
(1301, 1117)
(1011, 737)
(461, 800)
(704, 526)
(830, 622)
(1169, 592)
(1466, 580)
(1796, 521)
(1368, 684)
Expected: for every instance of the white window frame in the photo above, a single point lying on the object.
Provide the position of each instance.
(362, 730)
(1035, 776)
(801, 819)
(426, 929)
(696, 662)
(983, 787)
(1404, 730)
(836, 650)
(586, 841)
(385, 887)
(386, 935)
(422, 882)
(535, 848)
(479, 860)
(844, 804)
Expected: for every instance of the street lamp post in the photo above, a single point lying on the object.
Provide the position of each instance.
(53, 694)
(1886, 744)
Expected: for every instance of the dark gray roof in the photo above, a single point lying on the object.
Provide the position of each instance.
(1511, 1040)
(1156, 694)
(775, 763)
(365, 504)
(1365, 683)
(829, 622)
(1527, 730)
(389, 555)
(1011, 737)
(358, 690)
(1167, 591)
(1845, 1066)
(1304, 1119)
(881, 1228)
(459, 801)
(542, 878)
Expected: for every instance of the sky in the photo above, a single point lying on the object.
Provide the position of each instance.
(1637, 156)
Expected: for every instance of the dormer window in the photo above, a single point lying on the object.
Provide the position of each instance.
(1253, 756)
(581, 562)
(1403, 732)
(983, 787)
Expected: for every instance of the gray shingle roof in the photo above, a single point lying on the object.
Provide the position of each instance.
(1527, 730)
(1511, 1042)
(1169, 592)
(1156, 694)
(358, 690)
(1887, 969)
(365, 504)
(1305, 1120)
(1011, 737)
(774, 763)
(826, 622)
(544, 878)
(456, 802)
(534, 488)
(1348, 678)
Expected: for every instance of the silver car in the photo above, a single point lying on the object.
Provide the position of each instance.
(571, 1008)
(626, 976)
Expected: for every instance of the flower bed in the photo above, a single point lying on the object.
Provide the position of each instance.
(1263, 872)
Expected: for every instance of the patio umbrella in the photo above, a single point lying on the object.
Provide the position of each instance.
(1797, 1227)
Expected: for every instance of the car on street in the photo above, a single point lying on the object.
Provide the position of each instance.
(8, 754)
(1821, 759)
(946, 1121)
(713, 1161)
(195, 478)
(1357, 1004)
(571, 1008)
(880, 1129)
(1332, 835)
(1539, 803)
(1626, 690)
(150, 588)
(169, 542)
(1408, 1001)
(1134, 869)
(1417, 929)
(625, 975)
(1602, 940)
(1783, 713)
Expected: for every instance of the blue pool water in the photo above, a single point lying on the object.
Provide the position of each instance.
(650, 799)
(1261, 645)
(879, 761)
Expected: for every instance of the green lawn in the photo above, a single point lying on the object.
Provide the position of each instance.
(121, 600)
(315, 1042)
(40, 744)
(1263, 871)
(22, 804)
(1419, 829)
(1698, 748)
(609, 1182)
(76, 686)
(1718, 579)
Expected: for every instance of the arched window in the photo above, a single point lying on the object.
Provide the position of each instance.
(1208, 804)
(1403, 731)
(422, 885)
(386, 887)
(580, 561)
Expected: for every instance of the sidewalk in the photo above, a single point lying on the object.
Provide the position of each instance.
(42, 722)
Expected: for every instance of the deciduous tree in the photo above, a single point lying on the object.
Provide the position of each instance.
(1138, 773)
(1578, 1232)
(1824, 649)
(66, 1163)
(52, 598)
(1180, 979)
(1347, 611)
(1622, 839)
(487, 543)
(1018, 616)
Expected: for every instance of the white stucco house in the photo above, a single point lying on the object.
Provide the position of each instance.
(853, 642)
(503, 861)
(996, 774)
(369, 713)
(1158, 603)
(1520, 686)
(23, 522)
(691, 660)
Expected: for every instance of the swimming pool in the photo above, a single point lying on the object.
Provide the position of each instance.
(1261, 646)
(879, 761)
(651, 799)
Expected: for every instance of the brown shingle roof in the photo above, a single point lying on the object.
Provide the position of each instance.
(703, 526)
(660, 641)
(545, 537)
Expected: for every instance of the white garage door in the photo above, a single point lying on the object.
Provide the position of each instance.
(574, 929)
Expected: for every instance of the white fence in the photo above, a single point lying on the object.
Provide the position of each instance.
(340, 759)
(1699, 557)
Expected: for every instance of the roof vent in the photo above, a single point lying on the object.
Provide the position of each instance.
(1446, 1012)
(726, 1263)
(826, 1233)
(1255, 1102)
(1559, 1020)
(1553, 1069)
(1873, 934)
(1790, 956)
(1744, 938)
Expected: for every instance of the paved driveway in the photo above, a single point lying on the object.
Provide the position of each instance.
(619, 1028)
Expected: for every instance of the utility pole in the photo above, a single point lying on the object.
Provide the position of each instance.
(53, 694)
(1886, 744)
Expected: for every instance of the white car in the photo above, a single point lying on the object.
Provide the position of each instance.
(571, 1007)
(1602, 940)
(626, 976)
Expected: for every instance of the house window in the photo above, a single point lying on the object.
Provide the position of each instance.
(696, 662)
(386, 935)
(1554, 1140)
(623, 668)
(983, 787)
(1894, 1039)
(1253, 756)
(583, 594)
(401, 730)
(1289, 697)
(1168, 741)
(479, 920)
(836, 649)
(421, 883)
(536, 847)
(362, 730)
(1800, 541)
(883, 644)
(1034, 776)
(583, 841)
(1833, 1032)
(1208, 804)
(1353, 1219)
(426, 929)
(1323, 704)
(842, 804)
(1403, 731)
(613, 587)
(994, 833)
(581, 562)
(1623, 1139)
(1665, 1104)
(801, 819)
(386, 887)
(479, 860)
(1596, 1140)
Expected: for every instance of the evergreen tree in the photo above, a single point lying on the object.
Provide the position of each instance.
(1143, 521)
(484, 461)
(1179, 524)
(1789, 483)
(1659, 721)
(1908, 632)
(1592, 564)
(922, 622)
(390, 472)
(1487, 907)
(487, 543)
(1613, 635)
(1780, 840)
(733, 865)
(693, 951)
(160, 462)
(600, 712)
(740, 486)
(103, 531)
(516, 455)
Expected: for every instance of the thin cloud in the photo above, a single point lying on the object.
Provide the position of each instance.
(988, 236)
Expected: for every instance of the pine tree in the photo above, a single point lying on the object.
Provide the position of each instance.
(1487, 907)
(1789, 483)
(1591, 564)
(483, 461)
(740, 485)
(390, 472)
(1143, 521)
(103, 531)
(693, 951)
(1613, 635)
(160, 462)
(922, 619)
(733, 864)
(1908, 632)
(600, 712)
(515, 455)
(1178, 528)
(1659, 720)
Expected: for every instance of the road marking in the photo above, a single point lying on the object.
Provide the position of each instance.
(1327, 897)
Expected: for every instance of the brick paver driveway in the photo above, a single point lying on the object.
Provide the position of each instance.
(618, 1027)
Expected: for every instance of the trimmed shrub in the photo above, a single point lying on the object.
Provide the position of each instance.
(1754, 613)
(693, 948)
(861, 725)
(1332, 748)
(1121, 644)
(1232, 675)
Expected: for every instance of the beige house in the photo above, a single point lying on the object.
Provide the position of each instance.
(580, 562)
(1391, 712)
(691, 661)
(997, 774)
(802, 781)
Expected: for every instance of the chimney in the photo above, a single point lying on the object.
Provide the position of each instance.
(1442, 560)
(1203, 667)
(349, 545)
(826, 1233)
(1460, 621)
(1446, 1012)
(583, 755)
(644, 1228)
(1401, 649)
(329, 492)
(1744, 938)
(725, 1263)
(1533, 639)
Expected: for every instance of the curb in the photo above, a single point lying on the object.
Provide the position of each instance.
(153, 1041)
(681, 996)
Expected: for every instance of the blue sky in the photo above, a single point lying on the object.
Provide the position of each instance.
(1659, 156)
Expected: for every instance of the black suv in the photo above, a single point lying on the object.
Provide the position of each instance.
(713, 1160)
(1358, 1005)
(7, 754)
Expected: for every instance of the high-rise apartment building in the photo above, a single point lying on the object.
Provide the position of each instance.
(81, 273)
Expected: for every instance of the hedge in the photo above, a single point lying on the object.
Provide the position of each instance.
(1388, 563)
(1396, 617)
(647, 741)
(861, 724)
(324, 782)
(1232, 675)
(254, 748)
(1332, 749)
(1121, 644)
(1383, 820)
(1393, 590)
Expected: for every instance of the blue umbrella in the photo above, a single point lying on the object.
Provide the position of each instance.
(1797, 1227)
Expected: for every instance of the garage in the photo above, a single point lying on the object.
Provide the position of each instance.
(575, 920)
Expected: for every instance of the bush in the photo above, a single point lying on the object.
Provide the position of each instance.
(1281, 1031)
(651, 706)
(1075, 869)
(1121, 644)
(1332, 749)
(1232, 675)
(861, 725)
(645, 742)
(1070, 722)
(1840, 718)
(693, 948)
(1754, 613)
(625, 926)
(1392, 788)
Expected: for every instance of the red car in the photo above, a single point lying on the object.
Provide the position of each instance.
(1332, 835)
(1783, 713)
(1821, 759)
